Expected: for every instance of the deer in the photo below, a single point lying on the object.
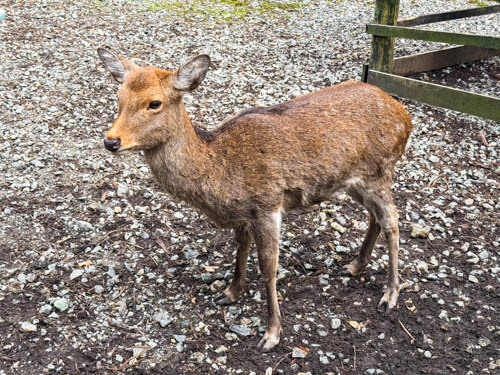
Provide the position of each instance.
(263, 162)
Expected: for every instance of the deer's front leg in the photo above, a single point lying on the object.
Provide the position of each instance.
(266, 234)
(243, 243)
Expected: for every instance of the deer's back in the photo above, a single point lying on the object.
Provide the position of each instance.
(313, 144)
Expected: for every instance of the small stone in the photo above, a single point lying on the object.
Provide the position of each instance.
(443, 315)
(119, 358)
(422, 266)
(191, 254)
(298, 353)
(163, 318)
(484, 342)
(322, 333)
(180, 338)
(99, 289)
(337, 227)
(84, 225)
(324, 359)
(179, 347)
(139, 352)
(469, 201)
(418, 231)
(269, 371)
(28, 327)
(336, 323)
(240, 330)
(46, 309)
(427, 354)
(197, 356)
(484, 254)
(473, 279)
(178, 215)
(76, 273)
(62, 304)
(217, 285)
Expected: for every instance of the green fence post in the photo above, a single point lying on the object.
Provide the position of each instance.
(386, 13)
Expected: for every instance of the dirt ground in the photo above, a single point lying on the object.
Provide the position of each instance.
(139, 272)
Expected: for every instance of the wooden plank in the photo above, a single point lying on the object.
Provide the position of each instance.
(424, 62)
(386, 13)
(441, 96)
(447, 16)
(434, 36)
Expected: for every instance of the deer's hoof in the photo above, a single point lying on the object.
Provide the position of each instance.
(268, 342)
(389, 299)
(225, 300)
(353, 269)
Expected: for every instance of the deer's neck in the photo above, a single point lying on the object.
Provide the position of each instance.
(186, 168)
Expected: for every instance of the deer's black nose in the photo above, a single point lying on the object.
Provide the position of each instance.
(112, 145)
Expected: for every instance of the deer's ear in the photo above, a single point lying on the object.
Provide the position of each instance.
(189, 76)
(118, 66)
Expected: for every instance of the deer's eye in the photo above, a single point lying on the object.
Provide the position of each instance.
(155, 104)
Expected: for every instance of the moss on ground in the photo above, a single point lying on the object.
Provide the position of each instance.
(222, 10)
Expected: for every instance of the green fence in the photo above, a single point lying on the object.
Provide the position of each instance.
(388, 73)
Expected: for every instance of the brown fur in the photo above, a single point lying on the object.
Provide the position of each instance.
(264, 162)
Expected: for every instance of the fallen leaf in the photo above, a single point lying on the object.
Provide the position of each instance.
(409, 305)
(483, 138)
(162, 245)
(85, 264)
(363, 324)
(354, 324)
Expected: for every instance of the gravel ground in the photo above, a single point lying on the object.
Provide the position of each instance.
(101, 272)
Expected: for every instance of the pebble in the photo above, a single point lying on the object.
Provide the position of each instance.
(336, 323)
(484, 255)
(337, 227)
(240, 330)
(163, 318)
(298, 353)
(427, 354)
(198, 356)
(418, 231)
(178, 215)
(61, 304)
(180, 338)
(76, 273)
(46, 309)
(484, 342)
(191, 254)
(99, 289)
(28, 327)
(422, 266)
(473, 279)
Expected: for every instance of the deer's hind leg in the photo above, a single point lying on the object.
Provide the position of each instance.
(377, 199)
